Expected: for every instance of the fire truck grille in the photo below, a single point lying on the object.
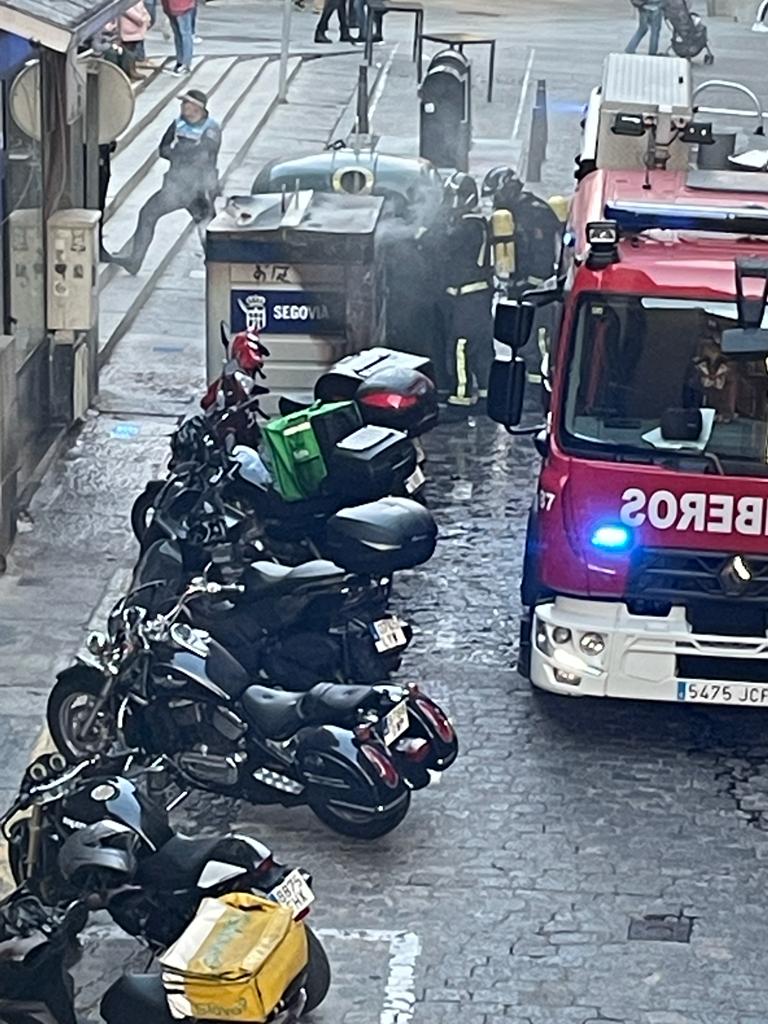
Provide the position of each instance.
(658, 574)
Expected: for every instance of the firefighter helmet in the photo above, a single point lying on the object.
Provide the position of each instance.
(502, 183)
(460, 192)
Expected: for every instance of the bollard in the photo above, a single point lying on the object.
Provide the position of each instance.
(363, 128)
(539, 134)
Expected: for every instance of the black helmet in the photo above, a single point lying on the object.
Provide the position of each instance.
(104, 846)
(502, 181)
(460, 192)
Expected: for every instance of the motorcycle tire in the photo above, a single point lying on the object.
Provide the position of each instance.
(141, 508)
(59, 718)
(372, 827)
(318, 979)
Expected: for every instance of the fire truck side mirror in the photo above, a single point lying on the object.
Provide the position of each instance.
(506, 387)
(513, 323)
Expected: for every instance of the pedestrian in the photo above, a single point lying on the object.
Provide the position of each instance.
(191, 146)
(338, 7)
(649, 15)
(132, 27)
(468, 294)
(181, 15)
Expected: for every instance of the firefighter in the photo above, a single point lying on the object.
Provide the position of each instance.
(468, 280)
(526, 232)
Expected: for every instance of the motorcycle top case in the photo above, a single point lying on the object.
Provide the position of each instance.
(381, 537)
(345, 377)
(371, 463)
(299, 444)
(235, 960)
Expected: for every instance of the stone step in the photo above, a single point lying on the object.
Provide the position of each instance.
(122, 295)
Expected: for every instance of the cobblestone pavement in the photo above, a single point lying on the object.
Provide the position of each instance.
(509, 892)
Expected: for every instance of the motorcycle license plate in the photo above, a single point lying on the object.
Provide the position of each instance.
(388, 633)
(415, 480)
(395, 723)
(293, 892)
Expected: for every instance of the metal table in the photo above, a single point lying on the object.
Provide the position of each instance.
(406, 7)
(457, 41)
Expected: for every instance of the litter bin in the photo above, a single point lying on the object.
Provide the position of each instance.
(445, 134)
(303, 270)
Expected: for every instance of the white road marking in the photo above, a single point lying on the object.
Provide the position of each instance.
(404, 950)
(377, 92)
(523, 92)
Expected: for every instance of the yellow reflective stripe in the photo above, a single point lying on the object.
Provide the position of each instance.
(477, 286)
(461, 370)
(452, 291)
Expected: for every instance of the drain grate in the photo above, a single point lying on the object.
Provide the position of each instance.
(661, 928)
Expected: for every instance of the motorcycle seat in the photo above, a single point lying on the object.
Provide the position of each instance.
(178, 863)
(262, 576)
(278, 714)
(136, 997)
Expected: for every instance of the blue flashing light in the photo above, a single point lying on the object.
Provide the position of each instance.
(612, 537)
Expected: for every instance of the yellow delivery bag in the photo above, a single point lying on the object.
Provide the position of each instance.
(235, 960)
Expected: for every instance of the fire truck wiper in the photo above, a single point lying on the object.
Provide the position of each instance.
(634, 453)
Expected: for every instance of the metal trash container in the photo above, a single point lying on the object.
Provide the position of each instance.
(302, 269)
(445, 130)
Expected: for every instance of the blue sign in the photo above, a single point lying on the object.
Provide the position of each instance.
(287, 312)
(14, 51)
(123, 431)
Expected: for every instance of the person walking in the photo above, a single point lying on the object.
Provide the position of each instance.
(181, 15)
(133, 25)
(649, 15)
(191, 146)
(338, 7)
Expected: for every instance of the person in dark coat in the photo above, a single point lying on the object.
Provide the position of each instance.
(191, 146)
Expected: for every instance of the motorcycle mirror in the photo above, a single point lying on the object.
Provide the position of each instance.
(96, 643)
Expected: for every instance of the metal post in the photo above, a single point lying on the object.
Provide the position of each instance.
(363, 128)
(537, 145)
(285, 41)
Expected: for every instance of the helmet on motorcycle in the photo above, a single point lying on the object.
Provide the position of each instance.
(187, 440)
(104, 846)
(247, 351)
(460, 192)
(503, 184)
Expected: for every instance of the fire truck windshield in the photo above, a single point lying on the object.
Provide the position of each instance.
(637, 360)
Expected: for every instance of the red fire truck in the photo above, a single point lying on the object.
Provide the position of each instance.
(646, 562)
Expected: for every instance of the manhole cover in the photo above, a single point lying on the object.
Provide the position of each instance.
(661, 928)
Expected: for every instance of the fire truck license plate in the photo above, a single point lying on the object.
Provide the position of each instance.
(738, 694)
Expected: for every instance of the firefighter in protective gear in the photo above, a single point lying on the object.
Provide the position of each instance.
(469, 291)
(526, 232)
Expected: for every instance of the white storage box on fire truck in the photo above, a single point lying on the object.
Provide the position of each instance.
(654, 87)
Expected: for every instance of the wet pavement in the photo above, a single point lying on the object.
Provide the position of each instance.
(517, 887)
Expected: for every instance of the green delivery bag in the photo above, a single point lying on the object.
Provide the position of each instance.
(297, 444)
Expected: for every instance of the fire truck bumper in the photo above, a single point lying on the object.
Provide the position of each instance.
(599, 649)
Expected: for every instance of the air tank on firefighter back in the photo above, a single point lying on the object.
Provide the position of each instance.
(302, 268)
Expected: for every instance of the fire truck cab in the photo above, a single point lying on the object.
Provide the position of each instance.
(646, 562)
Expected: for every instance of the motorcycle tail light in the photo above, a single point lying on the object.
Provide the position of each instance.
(302, 914)
(413, 749)
(436, 718)
(383, 765)
(363, 732)
(389, 400)
(413, 689)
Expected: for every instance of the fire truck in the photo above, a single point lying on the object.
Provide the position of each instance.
(646, 562)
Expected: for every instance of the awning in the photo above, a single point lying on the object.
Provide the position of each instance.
(58, 24)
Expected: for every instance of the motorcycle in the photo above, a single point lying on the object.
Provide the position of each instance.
(38, 945)
(291, 627)
(353, 754)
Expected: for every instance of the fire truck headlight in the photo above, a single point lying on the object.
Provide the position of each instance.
(561, 634)
(611, 537)
(592, 643)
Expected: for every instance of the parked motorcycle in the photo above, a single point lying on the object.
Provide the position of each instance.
(352, 753)
(291, 627)
(38, 944)
(93, 835)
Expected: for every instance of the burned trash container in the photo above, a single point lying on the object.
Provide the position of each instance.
(301, 269)
(445, 128)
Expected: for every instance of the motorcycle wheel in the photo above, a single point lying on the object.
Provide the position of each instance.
(142, 507)
(69, 704)
(356, 824)
(318, 972)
